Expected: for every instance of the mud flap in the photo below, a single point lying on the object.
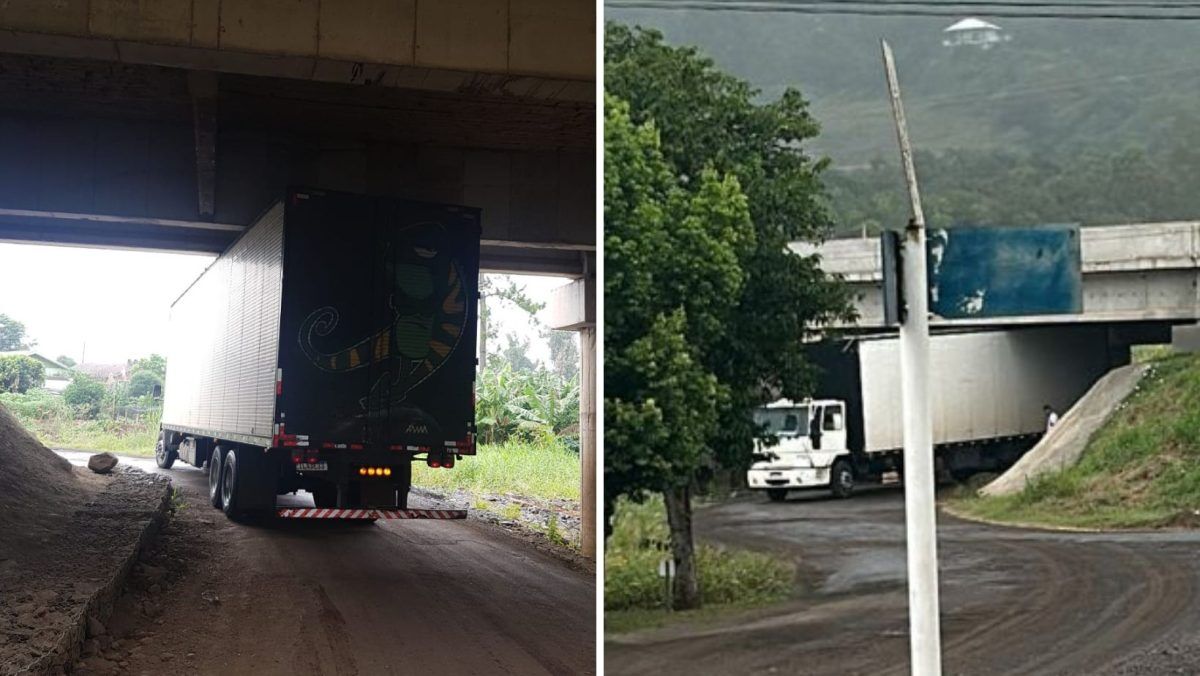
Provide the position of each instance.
(258, 486)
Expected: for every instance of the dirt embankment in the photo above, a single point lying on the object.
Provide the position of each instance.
(65, 538)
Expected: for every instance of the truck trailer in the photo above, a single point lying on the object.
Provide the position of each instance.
(988, 390)
(330, 347)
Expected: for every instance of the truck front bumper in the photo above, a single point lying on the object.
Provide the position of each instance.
(800, 477)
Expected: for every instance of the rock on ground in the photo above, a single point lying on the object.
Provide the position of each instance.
(102, 463)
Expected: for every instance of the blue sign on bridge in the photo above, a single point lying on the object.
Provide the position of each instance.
(995, 272)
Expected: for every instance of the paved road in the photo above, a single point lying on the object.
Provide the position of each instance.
(1014, 601)
(408, 597)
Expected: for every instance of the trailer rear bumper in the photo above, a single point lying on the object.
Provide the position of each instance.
(317, 513)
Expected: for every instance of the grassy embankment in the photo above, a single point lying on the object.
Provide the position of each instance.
(730, 579)
(1140, 470)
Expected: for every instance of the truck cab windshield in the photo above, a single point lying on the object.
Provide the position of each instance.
(782, 421)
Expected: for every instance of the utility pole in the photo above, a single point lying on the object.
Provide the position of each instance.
(920, 518)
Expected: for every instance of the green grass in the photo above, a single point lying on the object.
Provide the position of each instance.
(51, 421)
(634, 594)
(1140, 470)
(539, 470)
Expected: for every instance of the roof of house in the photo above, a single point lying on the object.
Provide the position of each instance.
(971, 24)
(103, 371)
(35, 355)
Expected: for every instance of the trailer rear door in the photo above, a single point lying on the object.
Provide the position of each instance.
(378, 320)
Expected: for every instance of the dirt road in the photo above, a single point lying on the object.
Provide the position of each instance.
(1013, 601)
(428, 597)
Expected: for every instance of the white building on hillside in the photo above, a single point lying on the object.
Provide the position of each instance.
(973, 32)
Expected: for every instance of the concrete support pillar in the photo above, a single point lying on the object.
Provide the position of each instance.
(1185, 338)
(587, 441)
(572, 307)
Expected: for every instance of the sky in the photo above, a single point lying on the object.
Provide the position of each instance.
(118, 302)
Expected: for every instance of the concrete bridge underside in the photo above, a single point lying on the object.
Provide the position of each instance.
(1135, 275)
(171, 125)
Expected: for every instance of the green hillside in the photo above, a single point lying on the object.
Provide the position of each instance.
(1091, 122)
(1057, 85)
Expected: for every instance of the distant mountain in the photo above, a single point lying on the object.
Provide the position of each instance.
(1054, 88)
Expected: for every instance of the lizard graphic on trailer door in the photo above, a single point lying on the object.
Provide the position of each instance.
(428, 307)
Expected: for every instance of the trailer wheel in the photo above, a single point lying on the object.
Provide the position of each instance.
(231, 477)
(214, 476)
(164, 457)
(841, 479)
(777, 494)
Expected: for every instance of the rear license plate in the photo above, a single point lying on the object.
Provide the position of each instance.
(313, 466)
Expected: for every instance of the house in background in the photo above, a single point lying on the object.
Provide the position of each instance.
(58, 376)
(108, 374)
(972, 32)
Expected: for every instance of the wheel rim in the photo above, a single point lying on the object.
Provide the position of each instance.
(226, 482)
(160, 454)
(845, 479)
(213, 475)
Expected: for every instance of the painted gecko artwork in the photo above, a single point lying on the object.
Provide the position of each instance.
(428, 309)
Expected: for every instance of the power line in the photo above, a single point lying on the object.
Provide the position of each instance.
(881, 10)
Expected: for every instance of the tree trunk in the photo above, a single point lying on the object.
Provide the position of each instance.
(679, 517)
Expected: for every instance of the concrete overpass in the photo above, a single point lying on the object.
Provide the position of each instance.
(1144, 273)
(170, 125)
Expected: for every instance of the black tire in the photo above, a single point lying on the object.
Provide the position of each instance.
(777, 494)
(163, 456)
(232, 480)
(841, 479)
(214, 476)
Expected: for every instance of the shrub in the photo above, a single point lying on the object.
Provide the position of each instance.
(143, 384)
(533, 406)
(36, 404)
(19, 373)
(84, 395)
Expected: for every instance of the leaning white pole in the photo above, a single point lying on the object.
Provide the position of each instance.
(924, 633)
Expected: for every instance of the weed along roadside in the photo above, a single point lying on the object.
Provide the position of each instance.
(1139, 470)
(731, 579)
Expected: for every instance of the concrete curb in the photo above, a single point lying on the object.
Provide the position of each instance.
(69, 645)
(1023, 525)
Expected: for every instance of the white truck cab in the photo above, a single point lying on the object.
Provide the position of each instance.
(809, 449)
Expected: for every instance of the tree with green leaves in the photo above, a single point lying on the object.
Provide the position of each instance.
(492, 289)
(19, 373)
(144, 383)
(155, 364)
(12, 335)
(516, 353)
(706, 308)
(564, 353)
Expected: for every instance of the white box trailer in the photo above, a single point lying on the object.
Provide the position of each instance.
(988, 390)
